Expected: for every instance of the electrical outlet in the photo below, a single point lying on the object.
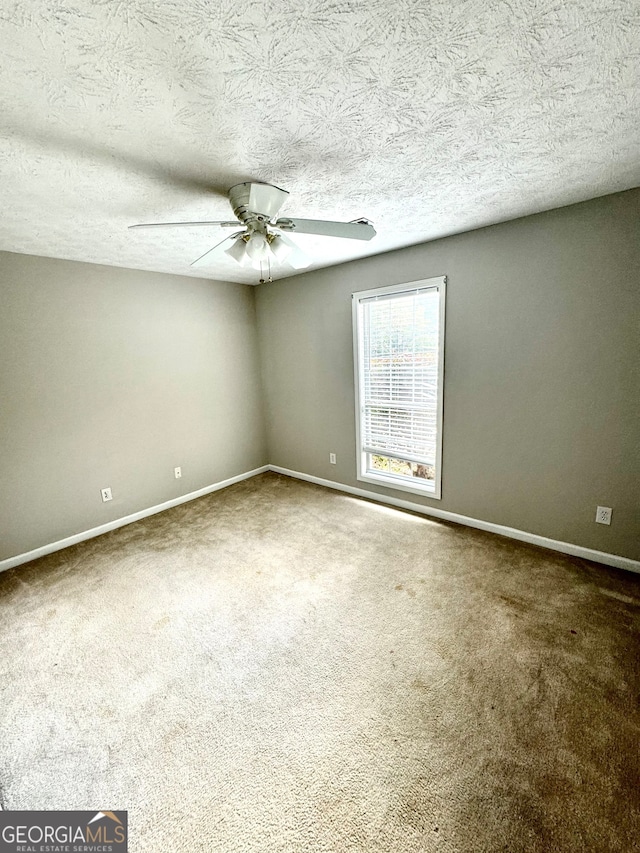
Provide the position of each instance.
(177, 473)
(106, 495)
(332, 458)
(603, 515)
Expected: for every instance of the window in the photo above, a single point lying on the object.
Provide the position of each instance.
(398, 348)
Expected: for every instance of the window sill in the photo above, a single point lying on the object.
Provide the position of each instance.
(430, 489)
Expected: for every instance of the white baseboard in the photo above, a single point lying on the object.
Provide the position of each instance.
(510, 532)
(11, 562)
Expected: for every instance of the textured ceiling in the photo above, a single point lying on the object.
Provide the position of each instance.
(429, 118)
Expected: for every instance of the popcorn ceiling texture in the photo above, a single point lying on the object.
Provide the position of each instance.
(428, 118)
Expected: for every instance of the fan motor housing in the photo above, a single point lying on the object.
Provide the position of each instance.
(254, 200)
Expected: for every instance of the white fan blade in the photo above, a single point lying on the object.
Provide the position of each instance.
(297, 259)
(266, 199)
(325, 228)
(184, 224)
(211, 254)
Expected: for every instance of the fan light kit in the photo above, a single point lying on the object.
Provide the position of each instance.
(256, 206)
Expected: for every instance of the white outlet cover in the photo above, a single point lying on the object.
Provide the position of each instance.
(106, 495)
(332, 458)
(603, 515)
(177, 472)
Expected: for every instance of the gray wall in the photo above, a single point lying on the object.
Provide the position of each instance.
(112, 377)
(542, 380)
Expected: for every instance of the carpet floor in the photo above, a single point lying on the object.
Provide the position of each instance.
(279, 667)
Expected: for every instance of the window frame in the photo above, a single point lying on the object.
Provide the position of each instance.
(396, 481)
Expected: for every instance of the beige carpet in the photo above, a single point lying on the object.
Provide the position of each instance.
(279, 667)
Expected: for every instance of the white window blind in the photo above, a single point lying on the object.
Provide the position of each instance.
(399, 373)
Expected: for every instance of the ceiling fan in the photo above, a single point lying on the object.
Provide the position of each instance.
(263, 238)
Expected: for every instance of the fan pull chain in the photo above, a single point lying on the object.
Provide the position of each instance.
(262, 278)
